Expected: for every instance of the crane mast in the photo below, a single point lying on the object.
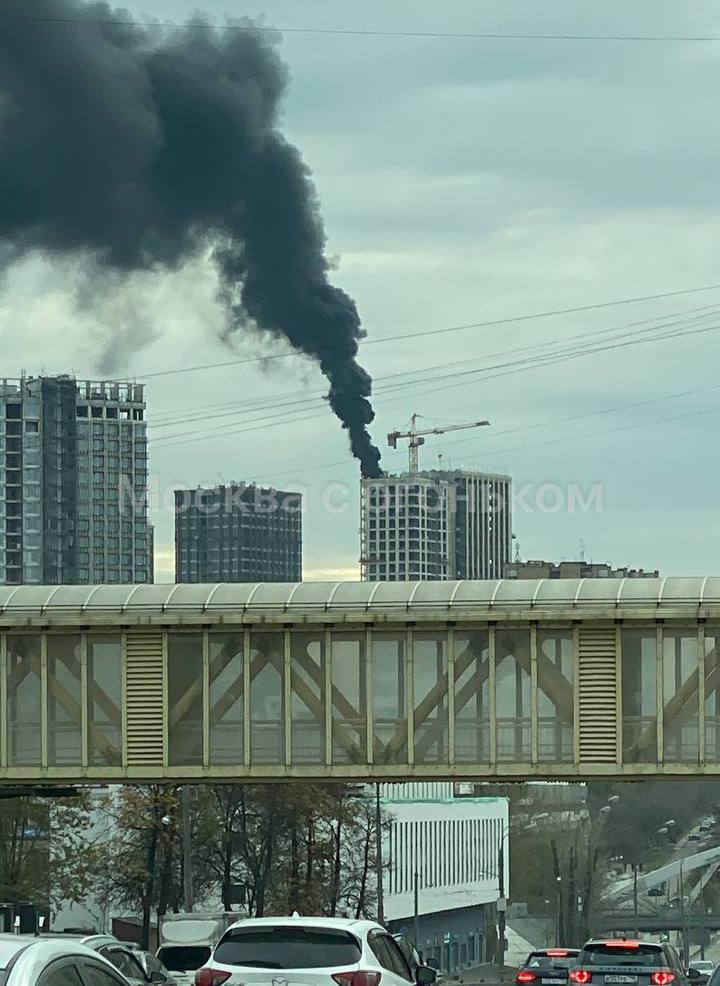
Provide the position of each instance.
(417, 438)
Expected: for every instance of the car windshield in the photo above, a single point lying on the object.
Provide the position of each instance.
(630, 955)
(184, 958)
(282, 947)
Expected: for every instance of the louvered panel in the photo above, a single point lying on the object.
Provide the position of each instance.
(597, 694)
(144, 699)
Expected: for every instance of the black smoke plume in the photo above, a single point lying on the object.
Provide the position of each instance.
(139, 147)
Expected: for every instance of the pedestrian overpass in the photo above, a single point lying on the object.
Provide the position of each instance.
(369, 681)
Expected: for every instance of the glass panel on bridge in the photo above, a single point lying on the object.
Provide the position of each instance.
(349, 698)
(712, 694)
(639, 695)
(64, 698)
(430, 706)
(472, 696)
(267, 698)
(185, 698)
(681, 695)
(513, 695)
(24, 717)
(307, 656)
(555, 696)
(225, 651)
(389, 690)
(104, 684)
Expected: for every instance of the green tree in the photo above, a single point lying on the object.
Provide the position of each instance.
(141, 856)
(47, 852)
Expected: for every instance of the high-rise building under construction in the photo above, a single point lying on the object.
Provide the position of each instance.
(435, 525)
(73, 482)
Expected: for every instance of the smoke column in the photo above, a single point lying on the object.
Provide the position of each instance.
(139, 147)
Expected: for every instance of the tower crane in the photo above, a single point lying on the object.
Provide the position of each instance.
(416, 438)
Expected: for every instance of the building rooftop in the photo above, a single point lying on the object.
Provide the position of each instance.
(433, 475)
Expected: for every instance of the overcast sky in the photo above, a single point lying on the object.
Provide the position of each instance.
(463, 180)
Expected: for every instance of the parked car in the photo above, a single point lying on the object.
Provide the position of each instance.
(547, 967)
(61, 961)
(323, 951)
(123, 956)
(714, 979)
(611, 961)
(152, 965)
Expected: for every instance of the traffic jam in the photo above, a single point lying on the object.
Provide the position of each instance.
(201, 950)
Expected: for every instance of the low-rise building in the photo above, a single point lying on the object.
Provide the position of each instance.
(451, 848)
(574, 570)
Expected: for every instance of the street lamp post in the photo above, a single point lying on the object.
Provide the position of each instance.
(548, 923)
(187, 848)
(501, 902)
(635, 868)
(560, 935)
(379, 857)
(683, 918)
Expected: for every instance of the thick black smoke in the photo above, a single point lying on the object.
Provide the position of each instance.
(141, 147)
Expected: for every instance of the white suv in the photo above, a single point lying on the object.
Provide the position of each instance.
(309, 952)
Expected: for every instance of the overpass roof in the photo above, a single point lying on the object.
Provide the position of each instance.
(630, 596)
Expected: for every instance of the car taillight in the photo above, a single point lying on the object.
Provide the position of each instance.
(525, 976)
(361, 978)
(211, 977)
(557, 953)
(579, 976)
(662, 978)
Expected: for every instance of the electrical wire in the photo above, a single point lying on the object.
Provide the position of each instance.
(521, 428)
(303, 399)
(371, 33)
(508, 320)
(604, 431)
(223, 432)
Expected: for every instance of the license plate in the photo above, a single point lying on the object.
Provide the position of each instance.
(554, 982)
(620, 979)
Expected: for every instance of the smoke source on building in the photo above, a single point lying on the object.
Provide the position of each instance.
(137, 148)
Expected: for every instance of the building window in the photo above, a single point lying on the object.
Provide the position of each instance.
(307, 652)
(389, 698)
(64, 700)
(512, 694)
(23, 699)
(104, 699)
(639, 695)
(226, 698)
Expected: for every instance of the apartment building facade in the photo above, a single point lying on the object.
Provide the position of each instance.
(238, 533)
(73, 482)
(435, 525)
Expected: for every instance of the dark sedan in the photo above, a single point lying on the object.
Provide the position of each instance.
(547, 967)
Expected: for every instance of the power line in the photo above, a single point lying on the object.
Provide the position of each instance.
(374, 33)
(591, 414)
(604, 431)
(511, 319)
(302, 398)
(508, 369)
(253, 405)
(508, 431)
